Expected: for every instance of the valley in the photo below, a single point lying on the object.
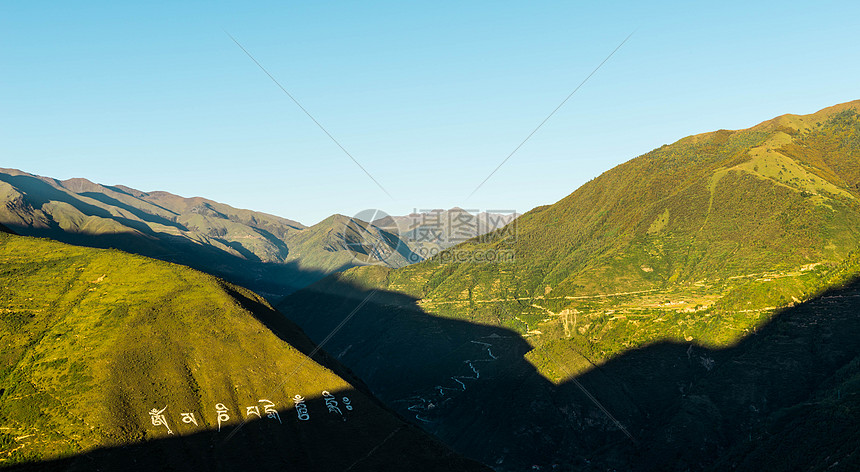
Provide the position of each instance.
(429, 237)
(690, 309)
(629, 308)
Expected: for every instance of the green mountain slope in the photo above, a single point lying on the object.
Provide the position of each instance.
(696, 232)
(94, 340)
(638, 283)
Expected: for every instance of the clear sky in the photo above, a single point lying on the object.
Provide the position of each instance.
(428, 96)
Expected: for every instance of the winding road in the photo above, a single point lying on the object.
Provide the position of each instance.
(421, 404)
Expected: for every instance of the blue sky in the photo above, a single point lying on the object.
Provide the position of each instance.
(428, 97)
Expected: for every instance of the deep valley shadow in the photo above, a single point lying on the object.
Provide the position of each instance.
(766, 403)
(686, 407)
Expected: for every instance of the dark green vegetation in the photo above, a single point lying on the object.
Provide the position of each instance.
(93, 339)
(685, 291)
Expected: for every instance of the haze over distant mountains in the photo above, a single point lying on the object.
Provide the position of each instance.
(272, 255)
(691, 309)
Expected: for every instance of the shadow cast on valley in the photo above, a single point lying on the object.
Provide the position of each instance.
(686, 407)
(365, 439)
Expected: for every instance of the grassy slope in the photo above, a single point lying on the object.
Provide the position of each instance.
(93, 339)
(714, 232)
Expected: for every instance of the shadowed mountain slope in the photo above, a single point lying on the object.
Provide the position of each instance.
(106, 355)
(272, 255)
(269, 254)
(786, 397)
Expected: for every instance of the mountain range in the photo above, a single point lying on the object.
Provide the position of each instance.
(693, 309)
(269, 254)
